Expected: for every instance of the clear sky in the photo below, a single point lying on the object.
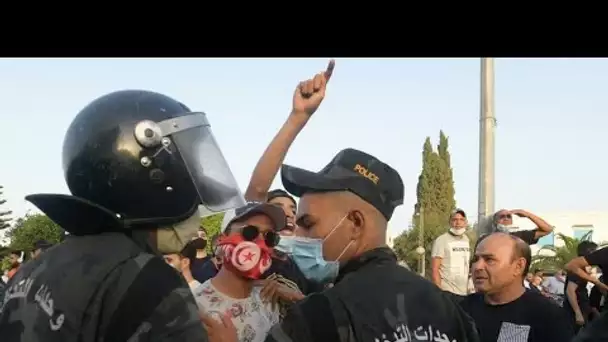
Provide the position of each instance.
(552, 115)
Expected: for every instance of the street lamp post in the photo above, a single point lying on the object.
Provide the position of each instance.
(420, 249)
(487, 126)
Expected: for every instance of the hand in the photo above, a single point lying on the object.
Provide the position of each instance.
(519, 212)
(220, 331)
(308, 94)
(580, 320)
(273, 291)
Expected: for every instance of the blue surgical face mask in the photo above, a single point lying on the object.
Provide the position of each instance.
(307, 253)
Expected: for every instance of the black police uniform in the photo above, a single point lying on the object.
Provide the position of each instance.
(373, 298)
(131, 162)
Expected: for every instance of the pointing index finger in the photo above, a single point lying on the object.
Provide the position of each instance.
(330, 69)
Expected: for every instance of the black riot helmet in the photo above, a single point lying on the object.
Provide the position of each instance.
(143, 158)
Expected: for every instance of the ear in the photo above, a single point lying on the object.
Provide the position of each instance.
(520, 265)
(185, 262)
(358, 222)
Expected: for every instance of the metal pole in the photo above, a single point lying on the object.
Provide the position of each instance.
(421, 243)
(487, 125)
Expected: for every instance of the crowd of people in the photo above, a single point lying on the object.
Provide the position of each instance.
(135, 266)
(542, 306)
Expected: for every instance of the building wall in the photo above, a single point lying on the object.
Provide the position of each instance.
(573, 224)
(389, 240)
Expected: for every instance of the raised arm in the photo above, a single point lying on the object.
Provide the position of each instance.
(307, 97)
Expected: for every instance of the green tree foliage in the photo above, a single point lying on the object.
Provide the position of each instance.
(4, 218)
(31, 228)
(213, 226)
(447, 181)
(551, 258)
(5, 264)
(435, 193)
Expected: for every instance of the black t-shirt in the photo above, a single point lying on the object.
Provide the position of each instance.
(196, 265)
(595, 298)
(529, 236)
(529, 318)
(582, 296)
(599, 258)
(204, 271)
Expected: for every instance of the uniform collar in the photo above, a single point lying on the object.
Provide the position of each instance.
(374, 256)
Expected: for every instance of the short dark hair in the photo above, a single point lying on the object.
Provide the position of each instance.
(585, 247)
(276, 193)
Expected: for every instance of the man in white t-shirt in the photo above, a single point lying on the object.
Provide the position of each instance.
(451, 255)
(555, 283)
(246, 246)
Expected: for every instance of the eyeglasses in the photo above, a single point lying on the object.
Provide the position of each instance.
(251, 233)
(505, 216)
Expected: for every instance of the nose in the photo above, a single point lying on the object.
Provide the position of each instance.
(477, 265)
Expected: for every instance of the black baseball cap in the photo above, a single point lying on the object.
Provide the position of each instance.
(276, 214)
(459, 211)
(350, 170)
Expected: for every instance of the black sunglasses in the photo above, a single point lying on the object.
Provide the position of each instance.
(251, 233)
(505, 216)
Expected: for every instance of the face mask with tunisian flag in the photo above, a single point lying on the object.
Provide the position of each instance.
(250, 259)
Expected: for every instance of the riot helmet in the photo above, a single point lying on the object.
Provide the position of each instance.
(146, 159)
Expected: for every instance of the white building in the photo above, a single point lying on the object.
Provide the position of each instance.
(573, 224)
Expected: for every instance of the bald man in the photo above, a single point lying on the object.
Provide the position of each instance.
(502, 308)
(341, 234)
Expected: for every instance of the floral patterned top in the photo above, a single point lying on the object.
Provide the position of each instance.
(251, 317)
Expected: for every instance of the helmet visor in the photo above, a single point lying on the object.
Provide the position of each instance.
(209, 170)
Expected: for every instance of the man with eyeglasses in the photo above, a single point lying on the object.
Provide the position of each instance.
(246, 247)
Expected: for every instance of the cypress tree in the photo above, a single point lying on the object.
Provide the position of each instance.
(4, 214)
(447, 183)
(435, 193)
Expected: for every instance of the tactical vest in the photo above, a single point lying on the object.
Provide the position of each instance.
(59, 296)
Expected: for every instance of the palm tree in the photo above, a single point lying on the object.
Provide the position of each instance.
(556, 258)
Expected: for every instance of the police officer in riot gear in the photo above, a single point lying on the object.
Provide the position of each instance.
(138, 165)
